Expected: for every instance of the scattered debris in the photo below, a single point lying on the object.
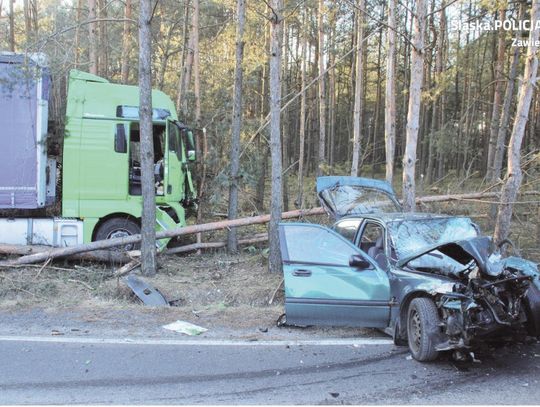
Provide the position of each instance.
(184, 327)
(473, 358)
(126, 268)
(56, 332)
(146, 293)
(281, 321)
(409, 357)
(334, 395)
(263, 330)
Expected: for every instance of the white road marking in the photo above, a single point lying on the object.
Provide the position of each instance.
(198, 342)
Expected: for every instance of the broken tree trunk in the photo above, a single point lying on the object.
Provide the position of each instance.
(53, 253)
(104, 256)
(263, 237)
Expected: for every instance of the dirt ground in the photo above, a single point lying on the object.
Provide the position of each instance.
(215, 288)
(228, 295)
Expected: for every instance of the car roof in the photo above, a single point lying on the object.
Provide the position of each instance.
(399, 216)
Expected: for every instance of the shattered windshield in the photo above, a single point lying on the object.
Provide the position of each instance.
(412, 236)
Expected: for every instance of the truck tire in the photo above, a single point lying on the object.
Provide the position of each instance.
(118, 227)
(422, 320)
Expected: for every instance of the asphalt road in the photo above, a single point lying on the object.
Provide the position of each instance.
(148, 373)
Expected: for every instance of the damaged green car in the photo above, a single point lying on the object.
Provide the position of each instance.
(430, 281)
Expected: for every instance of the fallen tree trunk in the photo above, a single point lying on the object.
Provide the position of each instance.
(215, 245)
(102, 256)
(464, 197)
(54, 253)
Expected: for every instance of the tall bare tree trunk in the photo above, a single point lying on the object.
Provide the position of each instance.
(513, 173)
(322, 90)
(27, 21)
(274, 259)
(377, 113)
(196, 63)
(439, 63)
(92, 39)
(126, 46)
(30, 21)
(262, 144)
(497, 99)
(413, 115)
(196, 85)
(187, 75)
(103, 43)
(505, 113)
(148, 224)
(285, 119)
(390, 94)
(11, 25)
(78, 34)
(183, 63)
(332, 88)
(232, 240)
(358, 89)
(302, 130)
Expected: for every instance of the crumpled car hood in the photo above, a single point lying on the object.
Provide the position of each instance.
(484, 252)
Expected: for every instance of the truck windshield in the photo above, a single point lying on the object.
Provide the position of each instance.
(411, 236)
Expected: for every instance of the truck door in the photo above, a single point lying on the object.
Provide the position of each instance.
(175, 180)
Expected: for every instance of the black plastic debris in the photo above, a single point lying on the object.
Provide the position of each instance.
(145, 292)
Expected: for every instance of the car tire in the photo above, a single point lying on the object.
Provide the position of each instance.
(118, 227)
(422, 321)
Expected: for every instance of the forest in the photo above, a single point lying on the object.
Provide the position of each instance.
(422, 93)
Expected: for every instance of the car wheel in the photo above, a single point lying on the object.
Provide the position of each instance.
(422, 319)
(118, 227)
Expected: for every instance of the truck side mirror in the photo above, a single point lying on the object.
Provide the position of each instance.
(359, 262)
(191, 148)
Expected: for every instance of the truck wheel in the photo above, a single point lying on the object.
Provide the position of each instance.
(118, 227)
(422, 319)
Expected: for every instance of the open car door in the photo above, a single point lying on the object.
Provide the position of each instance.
(342, 196)
(321, 288)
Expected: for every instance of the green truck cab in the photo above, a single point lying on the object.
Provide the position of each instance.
(98, 161)
(101, 159)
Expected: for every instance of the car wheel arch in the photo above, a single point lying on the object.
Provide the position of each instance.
(401, 323)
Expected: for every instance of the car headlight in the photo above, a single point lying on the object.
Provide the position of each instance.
(444, 288)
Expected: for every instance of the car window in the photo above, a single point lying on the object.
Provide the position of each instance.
(347, 228)
(313, 244)
(371, 236)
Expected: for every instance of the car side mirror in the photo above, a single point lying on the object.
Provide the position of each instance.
(359, 262)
